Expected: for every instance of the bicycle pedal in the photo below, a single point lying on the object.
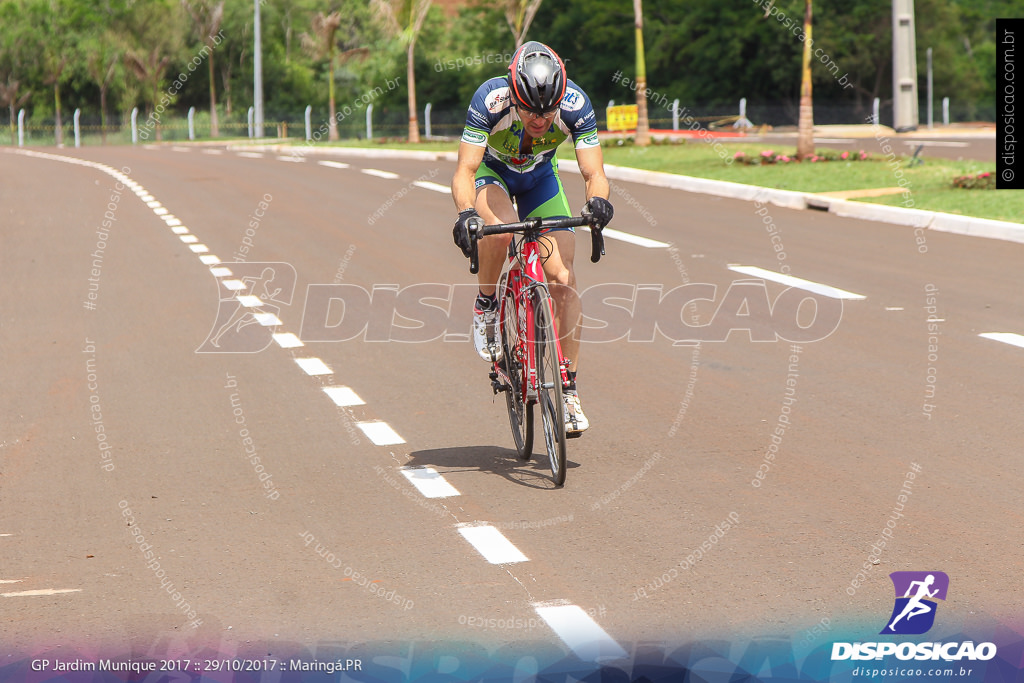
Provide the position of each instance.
(573, 435)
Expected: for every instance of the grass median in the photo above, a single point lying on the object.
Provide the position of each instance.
(930, 181)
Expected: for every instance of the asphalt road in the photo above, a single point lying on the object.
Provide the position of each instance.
(337, 544)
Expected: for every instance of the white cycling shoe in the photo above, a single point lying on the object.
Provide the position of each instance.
(575, 421)
(485, 335)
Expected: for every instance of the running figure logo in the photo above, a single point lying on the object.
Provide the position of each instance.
(914, 612)
(247, 314)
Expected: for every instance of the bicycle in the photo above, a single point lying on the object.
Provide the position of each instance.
(532, 369)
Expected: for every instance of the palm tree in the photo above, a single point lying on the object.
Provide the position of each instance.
(643, 131)
(149, 69)
(206, 18)
(405, 19)
(805, 131)
(321, 44)
(519, 14)
(101, 66)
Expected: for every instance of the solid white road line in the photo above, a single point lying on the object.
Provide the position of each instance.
(612, 233)
(314, 366)
(1005, 337)
(781, 278)
(589, 641)
(344, 396)
(491, 543)
(380, 433)
(429, 482)
(380, 174)
(427, 185)
(45, 591)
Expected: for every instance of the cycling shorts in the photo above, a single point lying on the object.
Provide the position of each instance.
(538, 193)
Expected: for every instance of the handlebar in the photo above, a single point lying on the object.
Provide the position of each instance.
(477, 230)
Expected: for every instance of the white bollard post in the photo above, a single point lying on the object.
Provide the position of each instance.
(675, 114)
(135, 126)
(251, 113)
(309, 122)
(191, 123)
(426, 117)
(369, 122)
(945, 111)
(874, 112)
(21, 128)
(78, 129)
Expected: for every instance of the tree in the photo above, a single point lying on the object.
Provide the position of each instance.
(805, 129)
(405, 19)
(322, 45)
(101, 63)
(519, 14)
(206, 19)
(643, 130)
(157, 32)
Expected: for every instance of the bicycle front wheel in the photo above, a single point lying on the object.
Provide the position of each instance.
(549, 384)
(513, 348)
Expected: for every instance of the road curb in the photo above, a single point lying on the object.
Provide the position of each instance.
(894, 215)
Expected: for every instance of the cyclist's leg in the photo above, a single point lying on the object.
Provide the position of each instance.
(495, 206)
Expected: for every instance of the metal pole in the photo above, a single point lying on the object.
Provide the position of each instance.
(21, 128)
(191, 123)
(135, 126)
(251, 119)
(675, 114)
(257, 69)
(930, 106)
(78, 130)
(369, 122)
(309, 122)
(426, 117)
(945, 111)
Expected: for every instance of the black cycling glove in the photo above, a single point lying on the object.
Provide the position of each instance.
(461, 231)
(601, 209)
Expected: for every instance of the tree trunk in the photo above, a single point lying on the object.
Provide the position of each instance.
(332, 122)
(59, 125)
(414, 124)
(214, 124)
(805, 134)
(643, 131)
(103, 113)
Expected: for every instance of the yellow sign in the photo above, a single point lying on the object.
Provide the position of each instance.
(622, 117)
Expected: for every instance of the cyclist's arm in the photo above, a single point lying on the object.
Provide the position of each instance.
(464, 181)
(591, 162)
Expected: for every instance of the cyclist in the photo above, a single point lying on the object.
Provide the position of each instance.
(507, 153)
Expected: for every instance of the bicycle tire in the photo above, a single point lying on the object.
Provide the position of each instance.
(520, 413)
(549, 384)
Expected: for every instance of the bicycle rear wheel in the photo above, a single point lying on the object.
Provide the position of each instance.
(520, 413)
(549, 381)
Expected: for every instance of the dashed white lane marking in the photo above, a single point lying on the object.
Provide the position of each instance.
(220, 271)
(287, 340)
(894, 308)
(580, 632)
(293, 159)
(1005, 337)
(491, 543)
(429, 482)
(267, 319)
(935, 143)
(436, 187)
(188, 239)
(213, 151)
(833, 141)
(333, 164)
(179, 230)
(45, 591)
(639, 241)
(171, 220)
(380, 433)
(209, 259)
(233, 285)
(199, 248)
(250, 155)
(344, 397)
(173, 149)
(782, 278)
(380, 174)
(160, 211)
(153, 204)
(249, 300)
(10, 580)
(314, 366)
